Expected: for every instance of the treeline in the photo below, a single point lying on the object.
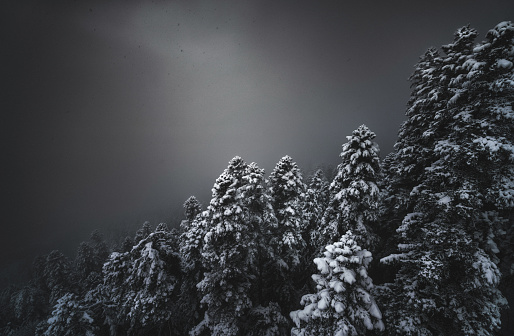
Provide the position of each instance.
(431, 224)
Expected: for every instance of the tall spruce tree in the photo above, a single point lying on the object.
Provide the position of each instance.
(228, 254)
(265, 317)
(287, 191)
(354, 193)
(315, 204)
(192, 208)
(191, 243)
(448, 279)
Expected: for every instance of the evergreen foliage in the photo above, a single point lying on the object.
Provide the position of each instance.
(354, 193)
(70, 318)
(441, 204)
(228, 254)
(315, 203)
(343, 304)
(448, 278)
(139, 284)
(287, 191)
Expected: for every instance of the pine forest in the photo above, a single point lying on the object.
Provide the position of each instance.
(417, 242)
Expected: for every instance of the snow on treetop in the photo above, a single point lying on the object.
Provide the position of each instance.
(501, 29)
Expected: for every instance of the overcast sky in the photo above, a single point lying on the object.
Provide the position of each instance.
(114, 112)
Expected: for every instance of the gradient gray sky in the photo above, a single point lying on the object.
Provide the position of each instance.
(116, 112)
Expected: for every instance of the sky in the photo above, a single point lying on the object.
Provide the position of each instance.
(115, 112)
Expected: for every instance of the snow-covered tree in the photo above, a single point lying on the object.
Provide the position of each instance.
(260, 215)
(287, 191)
(192, 208)
(139, 285)
(343, 304)
(448, 278)
(446, 284)
(405, 167)
(229, 254)
(266, 317)
(354, 193)
(314, 206)
(70, 317)
(190, 247)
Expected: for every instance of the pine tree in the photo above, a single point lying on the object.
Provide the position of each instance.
(228, 253)
(139, 285)
(343, 304)
(70, 317)
(190, 246)
(405, 167)
(483, 127)
(314, 206)
(354, 193)
(192, 208)
(287, 191)
(265, 317)
(447, 281)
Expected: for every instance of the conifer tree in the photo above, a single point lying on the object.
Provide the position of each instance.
(228, 253)
(192, 208)
(287, 192)
(265, 317)
(315, 204)
(405, 167)
(343, 304)
(70, 317)
(448, 279)
(139, 286)
(354, 193)
(191, 244)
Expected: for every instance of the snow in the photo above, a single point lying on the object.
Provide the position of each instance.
(322, 265)
(504, 64)
(445, 200)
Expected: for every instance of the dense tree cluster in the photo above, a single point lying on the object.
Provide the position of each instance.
(283, 255)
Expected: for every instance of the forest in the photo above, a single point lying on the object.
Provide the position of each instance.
(420, 242)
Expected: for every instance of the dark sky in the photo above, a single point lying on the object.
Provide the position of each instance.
(116, 112)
